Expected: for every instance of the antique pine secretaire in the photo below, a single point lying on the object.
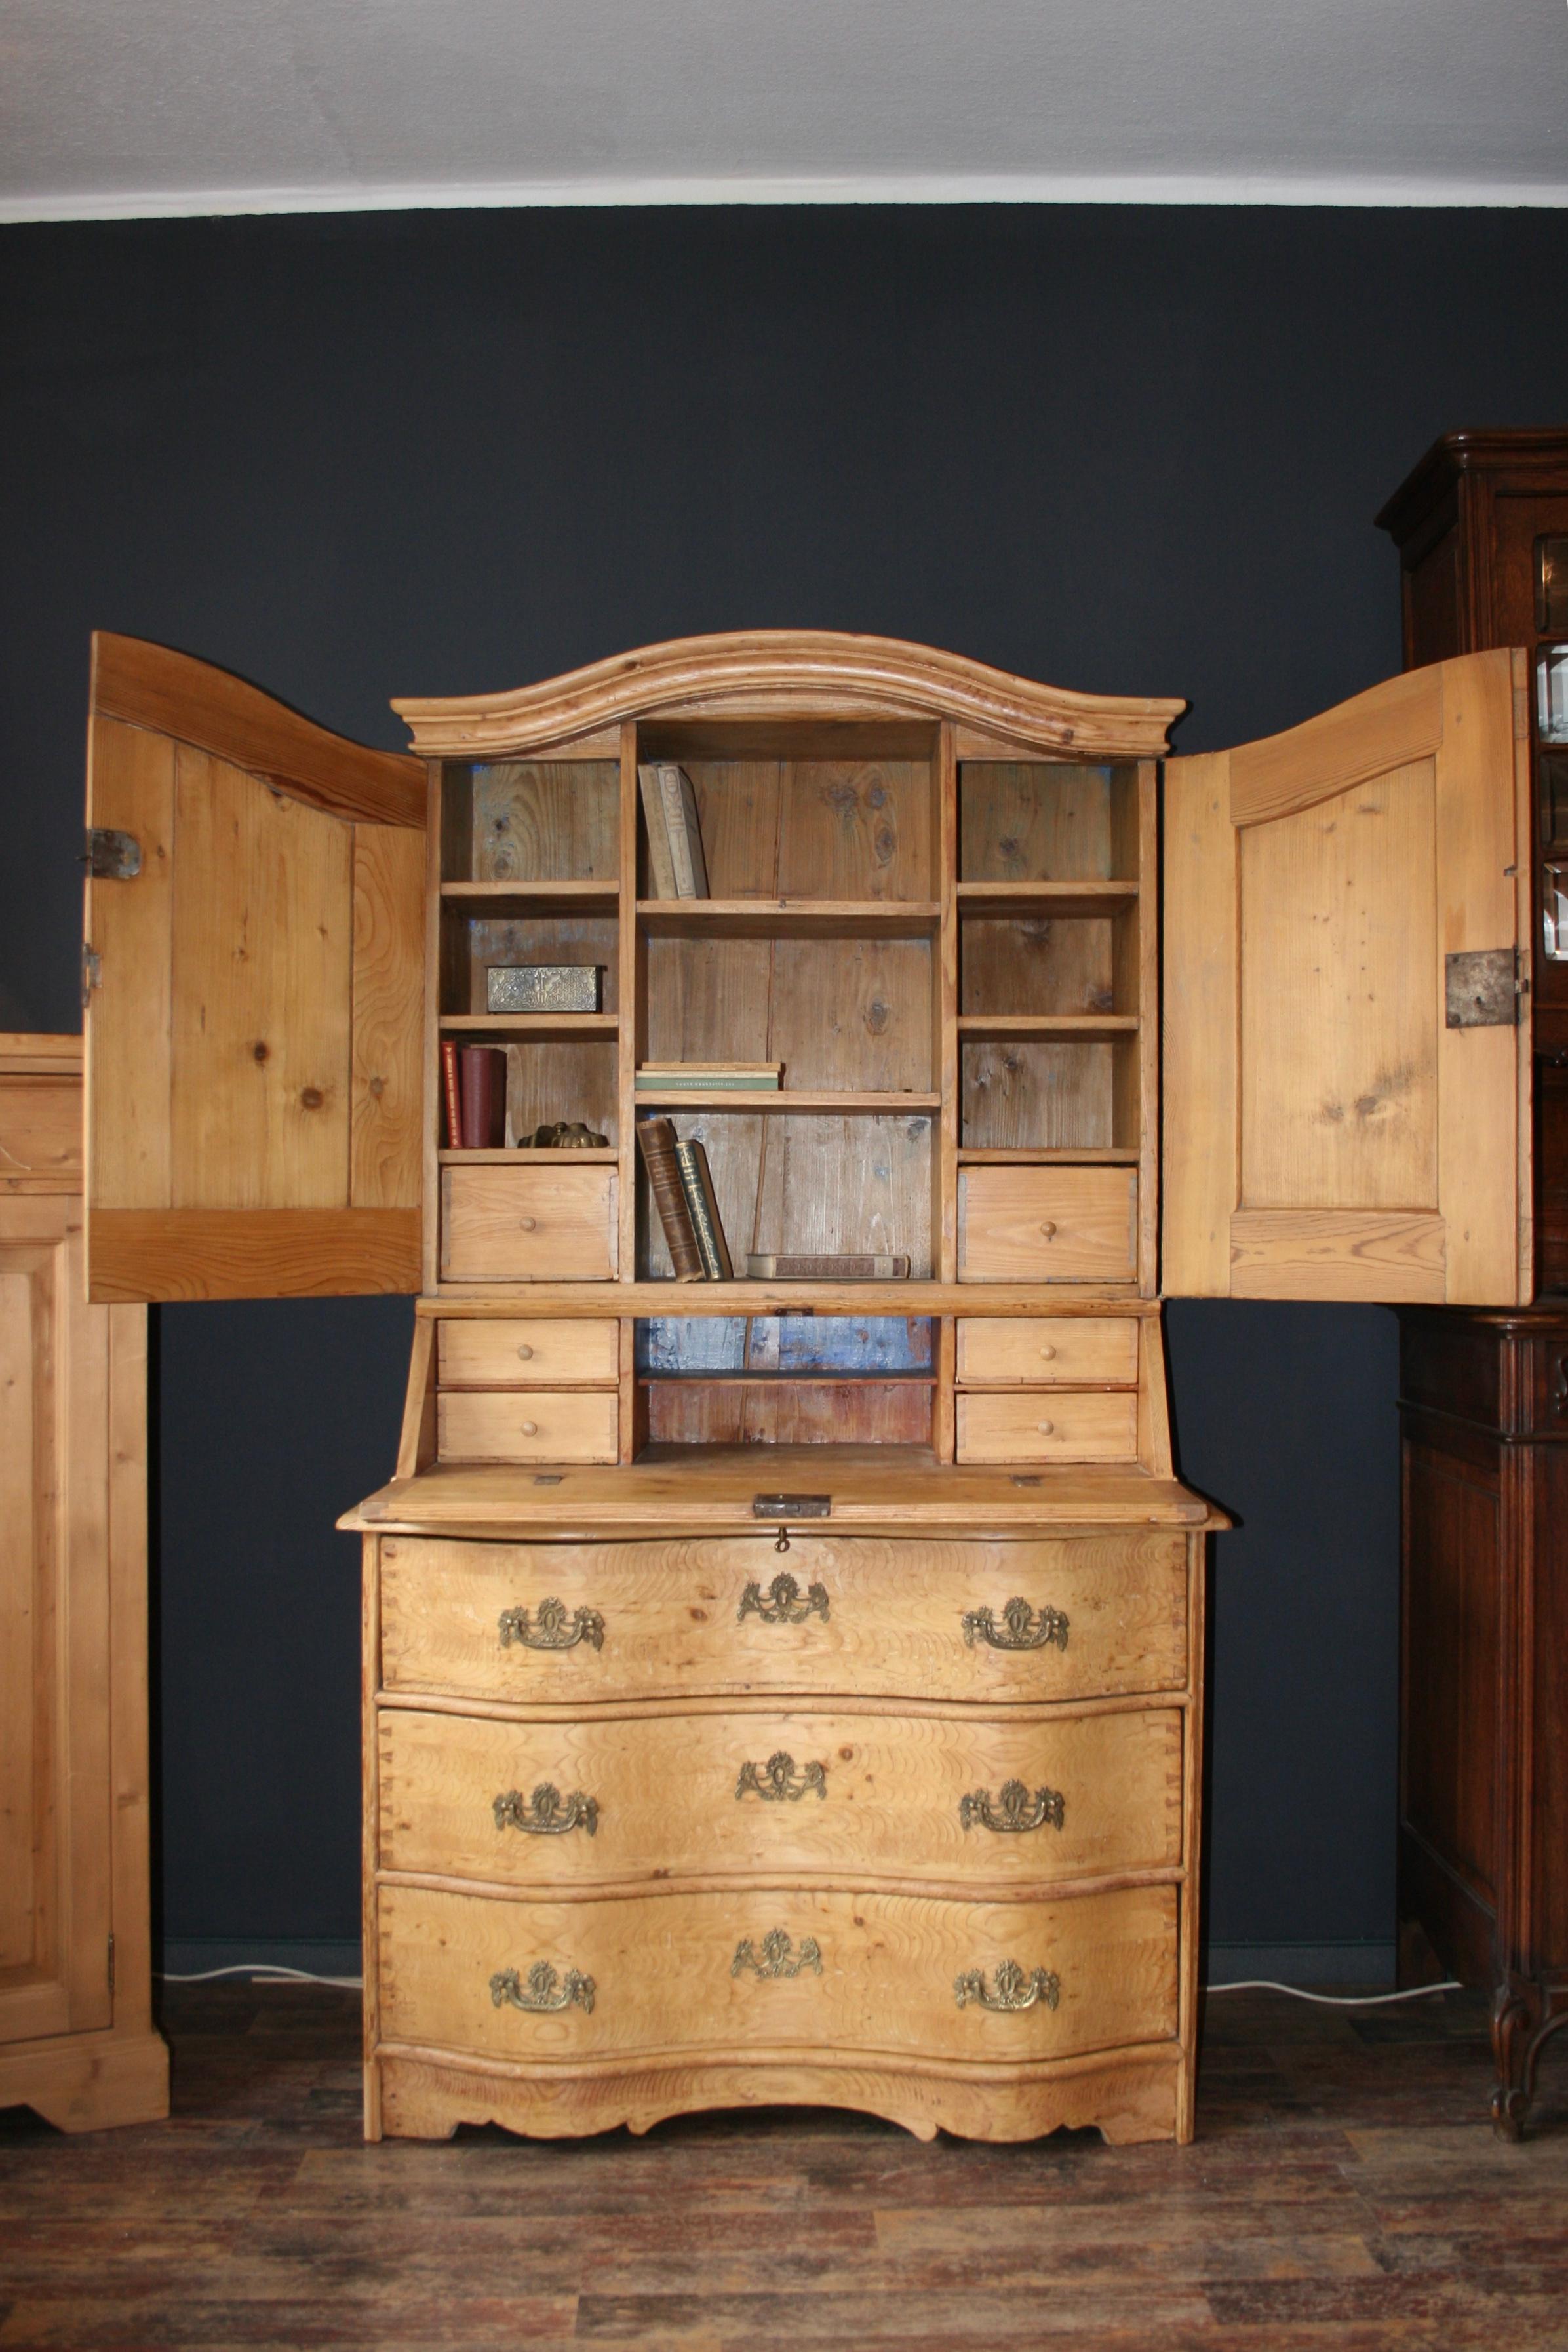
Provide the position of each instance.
(790, 1689)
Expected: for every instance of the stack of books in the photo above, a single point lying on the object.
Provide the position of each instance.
(675, 866)
(708, 1077)
(682, 1187)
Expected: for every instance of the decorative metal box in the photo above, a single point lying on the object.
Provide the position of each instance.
(544, 987)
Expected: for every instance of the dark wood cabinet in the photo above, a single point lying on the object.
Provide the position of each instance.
(1481, 525)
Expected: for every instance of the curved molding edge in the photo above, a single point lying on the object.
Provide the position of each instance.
(774, 672)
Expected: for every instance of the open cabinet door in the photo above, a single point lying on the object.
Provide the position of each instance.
(253, 981)
(1346, 1062)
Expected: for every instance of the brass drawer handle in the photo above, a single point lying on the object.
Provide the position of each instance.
(785, 1603)
(546, 1990)
(776, 1783)
(1014, 1989)
(551, 1628)
(1019, 1629)
(779, 1957)
(529, 1224)
(1013, 1808)
(547, 1813)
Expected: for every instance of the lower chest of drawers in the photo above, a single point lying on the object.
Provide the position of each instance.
(657, 1819)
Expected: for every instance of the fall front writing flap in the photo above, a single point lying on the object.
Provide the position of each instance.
(253, 980)
(1346, 1062)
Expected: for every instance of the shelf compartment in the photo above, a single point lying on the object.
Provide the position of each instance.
(554, 821)
(1039, 959)
(784, 1409)
(844, 1016)
(795, 919)
(1042, 821)
(1031, 1093)
(849, 816)
(802, 1346)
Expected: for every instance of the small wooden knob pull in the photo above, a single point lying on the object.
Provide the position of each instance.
(1048, 1228)
(527, 1223)
(1046, 1428)
(526, 1352)
(1047, 1353)
(531, 1429)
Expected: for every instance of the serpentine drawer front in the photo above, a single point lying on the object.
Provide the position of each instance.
(992, 1983)
(1019, 1797)
(1066, 1618)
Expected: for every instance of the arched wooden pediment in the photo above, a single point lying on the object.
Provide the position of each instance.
(791, 672)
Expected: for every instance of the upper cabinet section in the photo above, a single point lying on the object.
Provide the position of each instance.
(1345, 1055)
(253, 981)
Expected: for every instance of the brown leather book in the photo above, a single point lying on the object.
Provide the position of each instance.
(484, 1098)
(657, 1141)
(702, 1206)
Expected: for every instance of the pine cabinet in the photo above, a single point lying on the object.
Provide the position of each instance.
(76, 2032)
(792, 1690)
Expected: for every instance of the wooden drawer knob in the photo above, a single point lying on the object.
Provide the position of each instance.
(1049, 1227)
(526, 1352)
(1046, 1428)
(530, 1428)
(527, 1223)
(1047, 1353)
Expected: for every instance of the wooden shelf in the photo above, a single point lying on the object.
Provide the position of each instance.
(665, 1298)
(803, 1103)
(786, 1380)
(517, 900)
(578, 1026)
(1067, 899)
(1062, 1026)
(789, 918)
(601, 1155)
(1114, 1155)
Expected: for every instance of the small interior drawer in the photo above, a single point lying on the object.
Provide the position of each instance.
(1047, 1225)
(1046, 1351)
(471, 1353)
(1020, 1426)
(527, 1224)
(527, 1425)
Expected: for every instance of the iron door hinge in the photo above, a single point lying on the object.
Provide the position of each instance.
(112, 855)
(112, 1965)
(91, 970)
(1482, 988)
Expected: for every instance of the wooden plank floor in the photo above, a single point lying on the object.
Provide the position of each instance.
(1345, 2189)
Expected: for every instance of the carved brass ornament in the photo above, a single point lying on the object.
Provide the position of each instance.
(776, 1782)
(779, 1957)
(547, 1813)
(785, 1603)
(546, 1989)
(1014, 1989)
(1013, 1808)
(551, 1628)
(1020, 1628)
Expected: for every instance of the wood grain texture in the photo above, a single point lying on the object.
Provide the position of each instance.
(150, 1254)
(662, 1968)
(1338, 1253)
(1067, 1426)
(889, 1811)
(129, 1016)
(524, 1351)
(385, 1074)
(672, 1626)
(818, 671)
(1392, 725)
(40, 1133)
(544, 821)
(523, 1224)
(1047, 1225)
(1201, 1017)
(171, 694)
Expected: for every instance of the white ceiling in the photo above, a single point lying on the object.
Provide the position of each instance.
(111, 106)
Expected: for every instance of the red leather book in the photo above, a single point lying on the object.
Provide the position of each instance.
(484, 1097)
(452, 1094)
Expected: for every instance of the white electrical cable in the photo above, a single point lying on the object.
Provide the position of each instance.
(1336, 1999)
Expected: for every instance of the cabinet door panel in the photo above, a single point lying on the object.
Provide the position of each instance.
(253, 1014)
(54, 1629)
(1334, 1133)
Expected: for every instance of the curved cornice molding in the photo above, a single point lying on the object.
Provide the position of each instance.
(776, 672)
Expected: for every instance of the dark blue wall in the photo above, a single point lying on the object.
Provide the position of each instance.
(1124, 449)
